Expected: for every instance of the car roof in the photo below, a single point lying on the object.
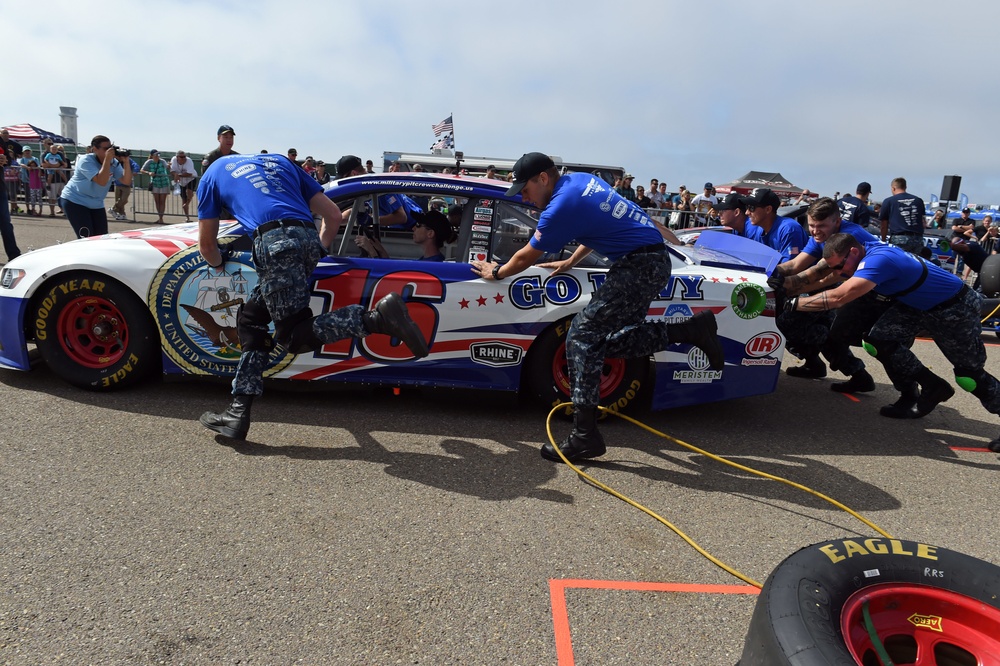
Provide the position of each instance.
(420, 183)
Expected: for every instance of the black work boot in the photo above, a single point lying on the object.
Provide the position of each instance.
(902, 408)
(933, 390)
(391, 317)
(860, 382)
(234, 422)
(701, 331)
(584, 442)
(813, 368)
(994, 445)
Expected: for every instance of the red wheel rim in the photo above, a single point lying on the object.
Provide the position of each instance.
(92, 332)
(922, 625)
(612, 373)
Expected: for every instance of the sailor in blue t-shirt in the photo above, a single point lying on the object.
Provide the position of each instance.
(924, 297)
(902, 218)
(855, 209)
(780, 233)
(584, 208)
(808, 334)
(274, 200)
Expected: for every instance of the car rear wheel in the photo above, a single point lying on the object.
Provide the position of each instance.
(546, 378)
(858, 601)
(93, 332)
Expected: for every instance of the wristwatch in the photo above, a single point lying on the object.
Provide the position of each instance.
(496, 272)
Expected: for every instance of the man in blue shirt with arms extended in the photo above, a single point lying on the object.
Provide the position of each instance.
(925, 297)
(274, 200)
(809, 333)
(582, 207)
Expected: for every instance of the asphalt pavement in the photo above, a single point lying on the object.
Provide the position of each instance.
(357, 526)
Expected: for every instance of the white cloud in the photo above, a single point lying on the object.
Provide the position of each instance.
(828, 93)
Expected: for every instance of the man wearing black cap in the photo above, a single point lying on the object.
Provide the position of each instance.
(855, 209)
(732, 213)
(391, 211)
(286, 249)
(780, 233)
(582, 207)
(226, 136)
(902, 218)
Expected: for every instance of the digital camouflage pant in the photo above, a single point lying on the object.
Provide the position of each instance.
(957, 332)
(613, 323)
(910, 242)
(285, 259)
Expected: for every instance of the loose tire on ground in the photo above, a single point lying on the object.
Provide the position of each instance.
(989, 276)
(928, 606)
(546, 373)
(94, 332)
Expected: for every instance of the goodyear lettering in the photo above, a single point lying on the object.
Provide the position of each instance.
(850, 548)
(122, 372)
(52, 298)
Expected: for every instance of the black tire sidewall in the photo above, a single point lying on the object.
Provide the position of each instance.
(140, 357)
(540, 384)
(797, 616)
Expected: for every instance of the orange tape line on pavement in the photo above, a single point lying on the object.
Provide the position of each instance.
(560, 614)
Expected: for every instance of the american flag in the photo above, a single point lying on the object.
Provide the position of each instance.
(444, 126)
(447, 141)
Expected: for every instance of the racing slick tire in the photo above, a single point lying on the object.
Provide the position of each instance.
(989, 276)
(94, 332)
(546, 374)
(927, 605)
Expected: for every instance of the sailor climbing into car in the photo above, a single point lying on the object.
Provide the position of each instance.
(582, 207)
(275, 201)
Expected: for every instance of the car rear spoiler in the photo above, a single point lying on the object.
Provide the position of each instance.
(732, 251)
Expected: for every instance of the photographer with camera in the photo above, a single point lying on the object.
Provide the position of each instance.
(83, 197)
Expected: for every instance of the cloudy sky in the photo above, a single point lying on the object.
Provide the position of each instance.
(827, 93)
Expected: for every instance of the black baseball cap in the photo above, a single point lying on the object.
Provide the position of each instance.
(225, 128)
(347, 164)
(436, 220)
(864, 188)
(732, 201)
(763, 196)
(526, 168)
(966, 210)
(708, 186)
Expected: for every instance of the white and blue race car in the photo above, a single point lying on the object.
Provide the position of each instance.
(109, 311)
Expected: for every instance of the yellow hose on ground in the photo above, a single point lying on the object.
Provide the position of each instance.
(695, 449)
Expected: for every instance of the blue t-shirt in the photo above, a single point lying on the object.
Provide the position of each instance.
(135, 170)
(893, 269)
(905, 213)
(752, 231)
(787, 237)
(816, 249)
(436, 257)
(853, 209)
(586, 209)
(257, 189)
(81, 188)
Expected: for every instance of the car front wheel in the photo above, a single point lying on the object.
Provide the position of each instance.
(94, 332)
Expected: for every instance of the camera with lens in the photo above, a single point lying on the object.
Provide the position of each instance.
(122, 152)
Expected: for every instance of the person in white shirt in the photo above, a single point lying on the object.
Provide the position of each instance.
(183, 174)
(704, 202)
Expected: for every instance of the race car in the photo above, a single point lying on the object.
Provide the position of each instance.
(109, 311)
